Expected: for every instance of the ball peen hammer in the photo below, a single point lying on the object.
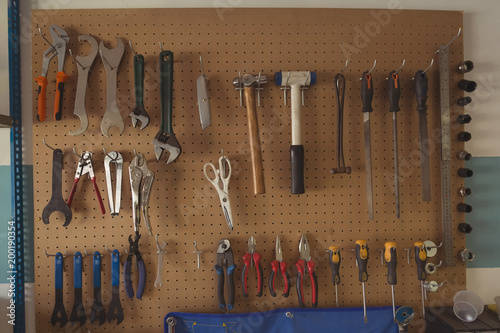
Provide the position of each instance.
(296, 81)
(248, 83)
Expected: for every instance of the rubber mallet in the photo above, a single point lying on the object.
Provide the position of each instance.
(296, 81)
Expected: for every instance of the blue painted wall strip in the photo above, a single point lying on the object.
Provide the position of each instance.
(17, 157)
(485, 215)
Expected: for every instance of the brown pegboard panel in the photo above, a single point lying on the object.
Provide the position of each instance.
(184, 206)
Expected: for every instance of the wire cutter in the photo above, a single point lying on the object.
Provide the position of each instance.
(222, 175)
(85, 167)
(127, 280)
(304, 263)
(141, 182)
(276, 265)
(252, 256)
(225, 258)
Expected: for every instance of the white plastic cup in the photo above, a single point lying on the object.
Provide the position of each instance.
(467, 305)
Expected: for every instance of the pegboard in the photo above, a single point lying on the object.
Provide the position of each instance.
(184, 206)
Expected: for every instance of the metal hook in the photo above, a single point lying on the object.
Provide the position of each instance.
(402, 65)
(130, 44)
(346, 63)
(111, 157)
(432, 63)
(374, 64)
(52, 255)
(161, 47)
(198, 252)
(43, 36)
(258, 89)
(161, 249)
(45, 143)
(71, 53)
(201, 64)
(74, 152)
(135, 152)
(104, 59)
(107, 249)
(446, 46)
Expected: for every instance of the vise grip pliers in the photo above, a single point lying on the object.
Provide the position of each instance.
(141, 181)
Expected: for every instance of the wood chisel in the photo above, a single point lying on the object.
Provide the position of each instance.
(366, 98)
(444, 89)
(421, 88)
(394, 93)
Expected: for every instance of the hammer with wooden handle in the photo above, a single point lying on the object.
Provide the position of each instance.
(295, 81)
(249, 83)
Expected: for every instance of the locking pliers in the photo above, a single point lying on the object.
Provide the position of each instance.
(141, 181)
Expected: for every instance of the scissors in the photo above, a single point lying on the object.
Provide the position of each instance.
(221, 183)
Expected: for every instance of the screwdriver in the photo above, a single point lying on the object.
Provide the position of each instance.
(390, 257)
(394, 93)
(334, 258)
(420, 259)
(366, 98)
(362, 260)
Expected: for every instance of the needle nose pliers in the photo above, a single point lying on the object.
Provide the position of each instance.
(252, 256)
(127, 280)
(305, 263)
(225, 258)
(276, 266)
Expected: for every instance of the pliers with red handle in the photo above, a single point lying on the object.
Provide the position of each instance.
(276, 265)
(304, 263)
(85, 167)
(252, 256)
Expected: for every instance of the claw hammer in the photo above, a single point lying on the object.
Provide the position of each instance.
(296, 81)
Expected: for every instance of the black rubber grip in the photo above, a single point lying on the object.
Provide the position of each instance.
(244, 281)
(465, 172)
(362, 264)
(466, 228)
(367, 92)
(299, 290)
(392, 277)
(335, 268)
(422, 275)
(58, 114)
(261, 273)
(297, 161)
(220, 287)
(421, 88)
(271, 283)
(230, 288)
(394, 91)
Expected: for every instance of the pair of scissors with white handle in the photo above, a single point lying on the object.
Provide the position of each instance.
(221, 183)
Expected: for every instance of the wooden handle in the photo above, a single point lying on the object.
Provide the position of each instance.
(253, 132)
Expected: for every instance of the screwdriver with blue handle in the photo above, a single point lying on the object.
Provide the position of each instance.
(420, 259)
(391, 259)
(362, 260)
(334, 258)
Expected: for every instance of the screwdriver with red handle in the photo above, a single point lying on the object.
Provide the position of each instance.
(391, 259)
(420, 259)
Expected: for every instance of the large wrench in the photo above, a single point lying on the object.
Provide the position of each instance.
(83, 64)
(111, 59)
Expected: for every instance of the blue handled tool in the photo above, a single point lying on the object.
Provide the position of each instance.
(127, 280)
(78, 312)
(59, 312)
(115, 310)
(97, 312)
(225, 258)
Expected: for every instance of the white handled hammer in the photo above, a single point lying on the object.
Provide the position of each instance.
(296, 81)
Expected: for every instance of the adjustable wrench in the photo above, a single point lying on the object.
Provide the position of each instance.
(111, 59)
(83, 64)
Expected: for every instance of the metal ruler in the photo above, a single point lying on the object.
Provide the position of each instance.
(444, 84)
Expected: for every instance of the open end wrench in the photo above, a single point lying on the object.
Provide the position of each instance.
(111, 59)
(83, 63)
(165, 138)
(57, 203)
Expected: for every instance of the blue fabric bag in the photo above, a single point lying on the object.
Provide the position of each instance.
(335, 320)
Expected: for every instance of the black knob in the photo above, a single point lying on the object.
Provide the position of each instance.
(468, 86)
(465, 173)
(464, 208)
(464, 136)
(464, 119)
(463, 101)
(466, 228)
(464, 155)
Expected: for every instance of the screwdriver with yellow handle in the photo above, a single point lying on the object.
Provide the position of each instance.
(420, 259)
(334, 258)
(362, 260)
(391, 259)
